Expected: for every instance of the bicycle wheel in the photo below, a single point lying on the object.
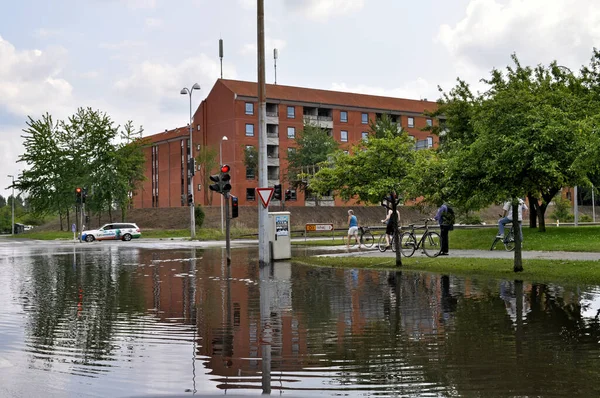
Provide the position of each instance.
(509, 241)
(408, 244)
(496, 240)
(382, 244)
(367, 240)
(432, 244)
(393, 243)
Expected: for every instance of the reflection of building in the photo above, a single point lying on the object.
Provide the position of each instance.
(231, 109)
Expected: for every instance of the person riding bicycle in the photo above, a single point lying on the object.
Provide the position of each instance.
(389, 227)
(507, 217)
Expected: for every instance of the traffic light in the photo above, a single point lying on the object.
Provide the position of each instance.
(225, 179)
(221, 181)
(234, 207)
(277, 192)
(190, 198)
(83, 195)
(78, 195)
(288, 194)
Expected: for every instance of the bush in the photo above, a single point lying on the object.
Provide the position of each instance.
(562, 209)
(31, 219)
(199, 216)
(585, 218)
(470, 219)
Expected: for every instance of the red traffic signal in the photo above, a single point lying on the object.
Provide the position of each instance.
(225, 168)
(78, 190)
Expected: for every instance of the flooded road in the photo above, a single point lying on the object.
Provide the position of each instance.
(114, 320)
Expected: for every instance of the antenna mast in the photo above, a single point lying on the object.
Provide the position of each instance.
(275, 59)
(221, 55)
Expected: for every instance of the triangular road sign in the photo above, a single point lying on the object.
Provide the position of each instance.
(265, 195)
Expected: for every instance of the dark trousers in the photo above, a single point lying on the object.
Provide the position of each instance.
(444, 235)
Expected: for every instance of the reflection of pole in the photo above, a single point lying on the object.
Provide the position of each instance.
(227, 225)
(519, 321)
(265, 318)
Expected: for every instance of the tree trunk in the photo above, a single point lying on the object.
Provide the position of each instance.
(518, 261)
(123, 213)
(60, 217)
(533, 207)
(68, 219)
(541, 216)
(109, 213)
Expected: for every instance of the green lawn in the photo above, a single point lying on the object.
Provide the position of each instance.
(534, 270)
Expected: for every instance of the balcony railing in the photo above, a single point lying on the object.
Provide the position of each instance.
(272, 114)
(318, 118)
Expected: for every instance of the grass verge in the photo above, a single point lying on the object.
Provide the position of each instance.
(576, 239)
(534, 270)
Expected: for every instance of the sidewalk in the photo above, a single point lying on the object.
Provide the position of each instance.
(527, 255)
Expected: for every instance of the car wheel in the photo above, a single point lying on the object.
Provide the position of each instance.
(127, 237)
(89, 238)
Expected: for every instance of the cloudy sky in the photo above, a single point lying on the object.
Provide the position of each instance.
(131, 58)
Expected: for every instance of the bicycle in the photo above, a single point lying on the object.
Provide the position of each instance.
(508, 239)
(382, 244)
(430, 241)
(365, 237)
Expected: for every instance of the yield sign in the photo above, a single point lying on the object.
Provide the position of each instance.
(265, 195)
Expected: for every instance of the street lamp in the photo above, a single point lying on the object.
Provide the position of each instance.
(184, 91)
(12, 229)
(221, 164)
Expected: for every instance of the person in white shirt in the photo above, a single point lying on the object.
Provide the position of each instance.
(507, 217)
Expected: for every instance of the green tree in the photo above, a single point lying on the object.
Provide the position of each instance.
(378, 168)
(129, 161)
(207, 160)
(313, 145)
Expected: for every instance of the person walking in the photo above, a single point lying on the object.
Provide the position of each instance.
(389, 227)
(445, 218)
(352, 229)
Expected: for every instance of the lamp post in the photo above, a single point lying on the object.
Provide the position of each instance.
(221, 164)
(12, 226)
(191, 163)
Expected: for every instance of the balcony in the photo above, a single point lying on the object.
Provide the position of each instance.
(272, 161)
(325, 122)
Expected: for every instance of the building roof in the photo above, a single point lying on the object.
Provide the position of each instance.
(311, 95)
(169, 134)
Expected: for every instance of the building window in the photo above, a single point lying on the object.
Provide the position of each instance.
(291, 132)
(429, 122)
(250, 173)
(291, 150)
(344, 136)
(250, 130)
(250, 194)
(291, 194)
(365, 136)
(411, 122)
(249, 108)
(347, 152)
(344, 116)
(199, 187)
(365, 118)
(291, 112)
(429, 142)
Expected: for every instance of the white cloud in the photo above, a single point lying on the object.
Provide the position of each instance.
(270, 44)
(29, 78)
(417, 89)
(322, 10)
(153, 23)
(539, 31)
(123, 45)
(140, 4)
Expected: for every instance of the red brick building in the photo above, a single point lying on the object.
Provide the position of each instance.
(231, 110)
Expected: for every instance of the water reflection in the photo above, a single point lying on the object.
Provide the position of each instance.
(118, 321)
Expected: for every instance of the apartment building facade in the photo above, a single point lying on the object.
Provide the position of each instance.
(231, 110)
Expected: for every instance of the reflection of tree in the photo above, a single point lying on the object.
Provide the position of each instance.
(73, 306)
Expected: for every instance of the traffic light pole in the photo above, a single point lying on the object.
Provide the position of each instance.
(227, 230)
(264, 255)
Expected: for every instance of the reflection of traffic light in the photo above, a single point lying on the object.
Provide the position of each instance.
(288, 194)
(234, 207)
(78, 194)
(277, 192)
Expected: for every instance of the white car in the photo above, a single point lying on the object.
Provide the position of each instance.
(114, 231)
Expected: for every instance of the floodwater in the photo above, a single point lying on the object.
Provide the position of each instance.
(108, 320)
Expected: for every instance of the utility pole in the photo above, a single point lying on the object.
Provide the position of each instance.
(264, 256)
(12, 229)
